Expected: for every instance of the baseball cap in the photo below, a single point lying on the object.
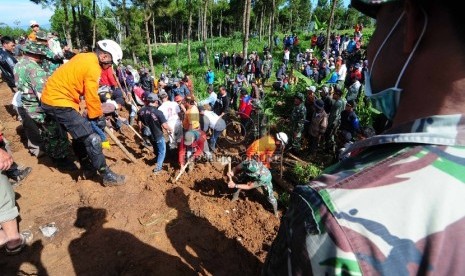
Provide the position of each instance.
(152, 97)
(189, 137)
(311, 88)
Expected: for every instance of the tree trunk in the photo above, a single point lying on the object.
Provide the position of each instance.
(176, 37)
(245, 44)
(204, 28)
(189, 35)
(75, 27)
(94, 25)
(330, 25)
(154, 34)
(69, 40)
(221, 22)
(200, 25)
(272, 25)
(244, 17)
(84, 41)
(134, 58)
(147, 36)
(126, 19)
(260, 31)
(211, 26)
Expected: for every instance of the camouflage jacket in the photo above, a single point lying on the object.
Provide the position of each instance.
(299, 113)
(51, 62)
(30, 80)
(334, 116)
(262, 177)
(395, 208)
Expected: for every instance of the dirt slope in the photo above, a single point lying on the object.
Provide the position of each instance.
(147, 227)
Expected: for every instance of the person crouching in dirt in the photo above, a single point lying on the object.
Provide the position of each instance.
(193, 145)
(61, 99)
(254, 174)
(265, 147)
(155, 121)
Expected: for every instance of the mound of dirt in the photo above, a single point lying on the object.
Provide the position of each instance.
(149, 226)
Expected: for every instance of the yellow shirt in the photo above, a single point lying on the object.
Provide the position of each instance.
(78, 77)
(191, 118)
(264, 148)
(32, 36)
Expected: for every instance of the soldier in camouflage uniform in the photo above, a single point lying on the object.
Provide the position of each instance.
(255, 174)
(51, 61)
(397, 207)
(44, 134)
(267, 68)
(334, 120)
(299, 113)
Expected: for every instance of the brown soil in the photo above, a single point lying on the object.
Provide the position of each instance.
(149, 226)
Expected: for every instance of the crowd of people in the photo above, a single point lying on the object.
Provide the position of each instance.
(343, 221)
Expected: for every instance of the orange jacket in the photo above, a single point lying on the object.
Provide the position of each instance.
(78, 77)
(264, 148)
(32, 36)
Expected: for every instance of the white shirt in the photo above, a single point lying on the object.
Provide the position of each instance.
(286, 54)
(170, 110)
(212, 118)
(342, 72)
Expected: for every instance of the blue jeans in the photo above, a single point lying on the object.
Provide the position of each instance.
(160, 146)
(214, 138)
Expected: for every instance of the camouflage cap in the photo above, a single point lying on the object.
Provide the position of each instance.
(369, 7)
(33, 48)
(41, 35)
(251, 167)
(300, 96)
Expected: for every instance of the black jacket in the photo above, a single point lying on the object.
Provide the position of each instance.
(221, 105)
(7, 63)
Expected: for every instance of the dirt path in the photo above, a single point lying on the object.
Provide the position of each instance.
(146, 227)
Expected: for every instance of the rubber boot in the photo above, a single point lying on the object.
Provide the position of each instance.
(112, 179)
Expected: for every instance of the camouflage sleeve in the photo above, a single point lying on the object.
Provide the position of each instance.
(301, 119)
(38, 78)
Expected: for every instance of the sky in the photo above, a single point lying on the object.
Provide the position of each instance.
(24, 11)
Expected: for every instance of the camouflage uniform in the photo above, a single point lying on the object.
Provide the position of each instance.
(298, 116)
(255, 171)
(332, 226)
(42, 132)
(334, 120)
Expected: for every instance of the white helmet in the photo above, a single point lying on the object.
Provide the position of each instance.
(281, 136)
(113, 48)
(33, 23)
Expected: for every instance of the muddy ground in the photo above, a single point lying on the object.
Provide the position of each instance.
(149, 226)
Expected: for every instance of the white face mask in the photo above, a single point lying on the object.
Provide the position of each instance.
(388, 100)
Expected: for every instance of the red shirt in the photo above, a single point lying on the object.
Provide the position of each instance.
(107, 78)
(196, 146)
(245, 107)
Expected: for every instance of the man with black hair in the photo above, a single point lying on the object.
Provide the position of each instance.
(153, 119)
(61, 98)
(8, 61)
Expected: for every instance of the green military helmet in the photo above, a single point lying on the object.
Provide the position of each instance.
(41, 35)
(300, 96)
(251, 167)
(33, 48)
(369, 7)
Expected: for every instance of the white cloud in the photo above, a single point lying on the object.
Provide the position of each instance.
(23, 11)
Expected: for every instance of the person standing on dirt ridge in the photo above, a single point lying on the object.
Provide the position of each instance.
(61, 98)
(396, 207)
(255, 175)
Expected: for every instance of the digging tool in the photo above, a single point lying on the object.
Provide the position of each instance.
(281, 163)
(113, 137)
(183, 169)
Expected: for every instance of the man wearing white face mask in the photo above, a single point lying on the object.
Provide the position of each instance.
(396, 207)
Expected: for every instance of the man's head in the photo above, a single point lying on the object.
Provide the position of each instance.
(350, 105)
(34, 25)
(299, 98)
(178, 99)
(8, 44)
(188, 102)
(319, 105)
(152, 99)
(109, 51)
(223, 91)
(281, 139)
(163, 95)
(337, 93)
(190, 137)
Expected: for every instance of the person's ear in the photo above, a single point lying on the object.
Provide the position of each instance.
(415, 20)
